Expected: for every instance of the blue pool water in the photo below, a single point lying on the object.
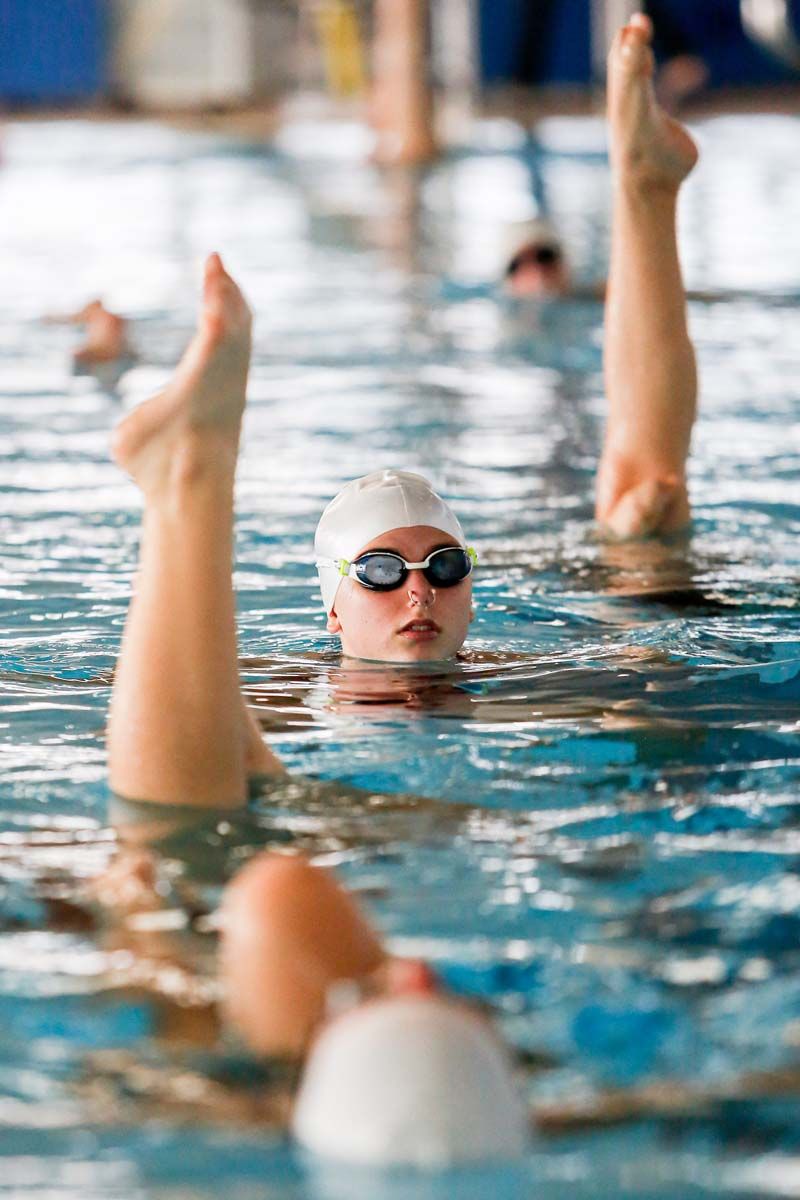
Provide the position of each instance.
(591, 822)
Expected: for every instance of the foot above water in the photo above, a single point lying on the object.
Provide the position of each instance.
(647, 145)
(205, 398)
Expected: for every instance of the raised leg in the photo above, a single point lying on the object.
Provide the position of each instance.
(651, 376)
(289, 931)
(401, 103)
(178, 730)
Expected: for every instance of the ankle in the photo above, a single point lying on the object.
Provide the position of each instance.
(198, 466)
(645, 201)
(637, 183)
(204, 457)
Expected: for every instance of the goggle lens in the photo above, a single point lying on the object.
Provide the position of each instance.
(448, 568)
(381, 571)
(542, 256)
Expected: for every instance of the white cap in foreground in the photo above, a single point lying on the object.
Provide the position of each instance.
(410, 1081)
(372, 505)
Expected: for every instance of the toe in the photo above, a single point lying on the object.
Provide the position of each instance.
(216, 280)
(219, 286)
(631, 50)
(641, 21)
(214, 264)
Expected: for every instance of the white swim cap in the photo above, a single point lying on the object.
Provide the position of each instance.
(537, 232)
(409, 1081)
(372, 505)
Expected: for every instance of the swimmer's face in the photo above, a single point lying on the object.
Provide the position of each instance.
(537, 270)
(413, 623)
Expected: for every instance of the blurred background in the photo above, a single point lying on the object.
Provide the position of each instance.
(236, 54)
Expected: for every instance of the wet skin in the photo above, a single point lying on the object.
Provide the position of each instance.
(413, 623)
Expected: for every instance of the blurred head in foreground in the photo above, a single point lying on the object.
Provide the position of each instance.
(409, 1080)
(396, 1071)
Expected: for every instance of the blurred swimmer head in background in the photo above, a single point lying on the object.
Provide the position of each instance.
(394, 570)
(537, 266)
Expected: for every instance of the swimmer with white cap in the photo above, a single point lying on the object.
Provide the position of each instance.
(395, 567)
(397, 1072)
(395, 571)
(536, 264)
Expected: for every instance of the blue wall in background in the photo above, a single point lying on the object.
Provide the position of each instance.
(56, 50)
(52, 50)
(549, 41)
(713, 30)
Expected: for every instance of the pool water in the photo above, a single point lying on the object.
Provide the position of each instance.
(590, 822)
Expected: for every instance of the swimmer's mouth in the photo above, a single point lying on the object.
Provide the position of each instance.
(420, 629)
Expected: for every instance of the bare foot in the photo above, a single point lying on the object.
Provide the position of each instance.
(647, 146)
(106, 335)
(201, 407)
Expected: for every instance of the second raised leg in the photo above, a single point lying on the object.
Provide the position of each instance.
(650, 370)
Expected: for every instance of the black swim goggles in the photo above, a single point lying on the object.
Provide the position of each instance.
(542, 255)
(383, 570)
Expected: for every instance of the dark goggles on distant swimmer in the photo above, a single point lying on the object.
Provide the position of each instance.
(383, 570)
(544, 255)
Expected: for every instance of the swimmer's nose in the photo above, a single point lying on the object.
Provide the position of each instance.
(419, 590)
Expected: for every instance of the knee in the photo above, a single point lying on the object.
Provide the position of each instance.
(289, 929)
(282, 905)
(651, 506)
(274, 889)
(270, 874)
